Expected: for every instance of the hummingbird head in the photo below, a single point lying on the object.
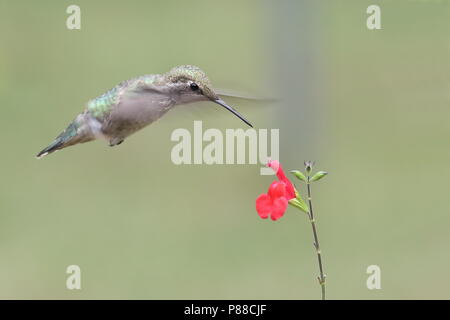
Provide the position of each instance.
(191, 84)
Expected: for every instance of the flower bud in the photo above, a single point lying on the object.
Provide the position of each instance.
(308, 166)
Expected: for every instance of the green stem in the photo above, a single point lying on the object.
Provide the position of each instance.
(321, 278)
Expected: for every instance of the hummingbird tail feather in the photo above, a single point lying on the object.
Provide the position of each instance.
(72, 135)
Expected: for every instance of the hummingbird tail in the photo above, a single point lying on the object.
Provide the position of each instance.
(72, 135)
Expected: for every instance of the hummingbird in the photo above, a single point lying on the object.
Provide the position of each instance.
(133, 104)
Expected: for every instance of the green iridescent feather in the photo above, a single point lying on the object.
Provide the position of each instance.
(103, 104)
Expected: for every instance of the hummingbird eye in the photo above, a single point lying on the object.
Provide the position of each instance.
(194, 86)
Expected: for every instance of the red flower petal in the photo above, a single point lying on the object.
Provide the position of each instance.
(279, 208)
(277, 189)
(290, 190)
(264, 205)
(276, 166)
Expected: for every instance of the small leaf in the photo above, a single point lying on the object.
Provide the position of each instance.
(319, 175)
(299, 205)
(299, 175)
(302, 202)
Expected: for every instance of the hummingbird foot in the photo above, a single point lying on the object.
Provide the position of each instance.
(115, 142)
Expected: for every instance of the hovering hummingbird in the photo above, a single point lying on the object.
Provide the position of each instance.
(136, 103)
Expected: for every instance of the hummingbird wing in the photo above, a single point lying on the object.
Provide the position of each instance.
(135, 105)
(104, 104)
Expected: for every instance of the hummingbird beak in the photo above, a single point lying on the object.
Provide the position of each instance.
(237, 114)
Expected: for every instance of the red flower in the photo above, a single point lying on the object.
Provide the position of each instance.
(274, 203)
(276, 166)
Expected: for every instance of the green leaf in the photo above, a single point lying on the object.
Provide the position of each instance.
(302, 202)
(299, 175)
(299, 203)
(319, 175)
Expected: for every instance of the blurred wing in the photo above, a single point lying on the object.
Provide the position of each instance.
(240, 95)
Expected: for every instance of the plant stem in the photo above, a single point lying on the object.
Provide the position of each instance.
(321, 278)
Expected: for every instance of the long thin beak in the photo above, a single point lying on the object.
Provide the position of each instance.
(237, 114)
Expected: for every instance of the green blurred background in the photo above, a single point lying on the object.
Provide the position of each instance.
(371, 107)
